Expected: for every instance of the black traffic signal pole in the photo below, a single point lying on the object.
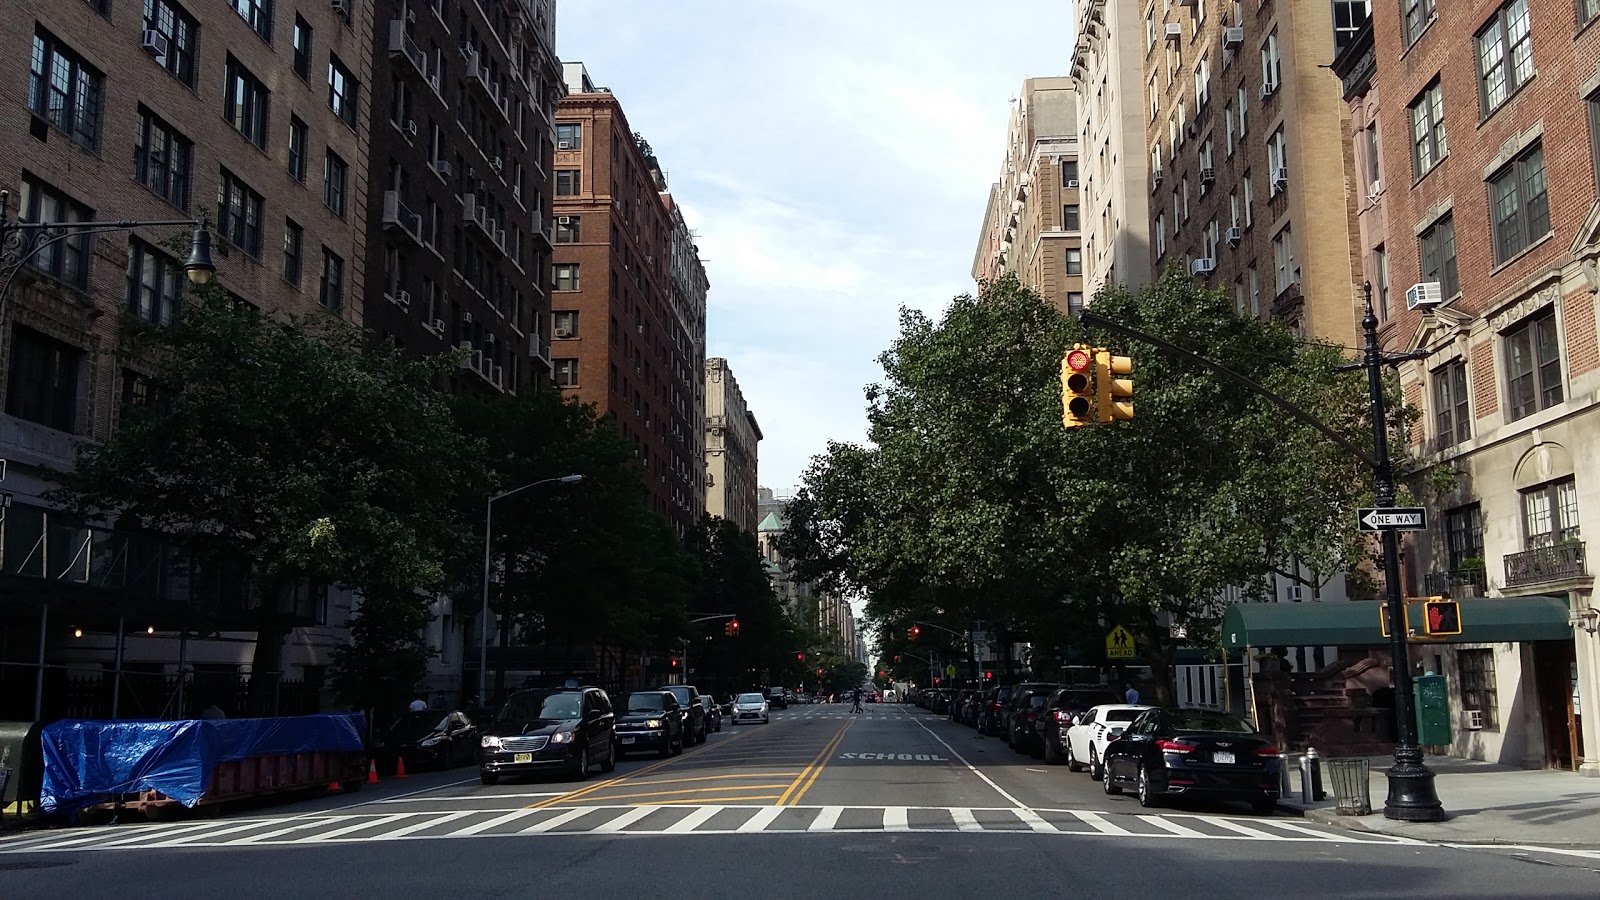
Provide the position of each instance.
(1412, 794)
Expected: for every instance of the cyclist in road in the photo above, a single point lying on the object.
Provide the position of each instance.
(855, 698)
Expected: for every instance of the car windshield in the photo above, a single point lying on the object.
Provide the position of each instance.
(751, 698)
(646, 702)
(1189, 720)
(1121, 715)
(681, 692)
(535, 705)
(417, 725)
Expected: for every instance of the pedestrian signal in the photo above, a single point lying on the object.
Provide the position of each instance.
(1442, 617)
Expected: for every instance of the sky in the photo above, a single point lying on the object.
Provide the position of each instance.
(834, 158)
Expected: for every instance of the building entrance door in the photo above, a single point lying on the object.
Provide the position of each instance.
(1555, 675)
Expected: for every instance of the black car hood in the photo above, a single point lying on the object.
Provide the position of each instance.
(635, 717)
(532, 726)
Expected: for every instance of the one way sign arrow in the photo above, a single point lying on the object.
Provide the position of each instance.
(1393, 518)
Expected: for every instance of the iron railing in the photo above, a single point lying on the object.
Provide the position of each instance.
(1543, 564)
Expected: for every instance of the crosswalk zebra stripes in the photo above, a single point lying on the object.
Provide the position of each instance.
(330, 828)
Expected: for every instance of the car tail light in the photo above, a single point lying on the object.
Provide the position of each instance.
(1063, 717)
(1176, 747)
(1268, 750)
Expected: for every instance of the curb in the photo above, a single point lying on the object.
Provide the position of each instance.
(1355, 823)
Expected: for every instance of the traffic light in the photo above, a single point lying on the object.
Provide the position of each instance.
(897, 658)
(988, 676)
(1077, 387)
(1115, 399)
(735, 624)
(819, 671)
(1383, 617)
(1441, 616)
(800, 657)
(674, 662)
(914, 632)
(727, 629)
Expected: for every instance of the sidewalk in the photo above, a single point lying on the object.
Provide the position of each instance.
(1486, 803)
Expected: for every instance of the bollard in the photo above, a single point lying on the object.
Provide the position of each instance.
(1305, 777)
(1311, 777)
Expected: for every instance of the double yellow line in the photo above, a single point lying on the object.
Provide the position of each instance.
(611, 782)
(809, 775)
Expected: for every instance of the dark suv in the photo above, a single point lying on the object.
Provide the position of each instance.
(694, 721)
(568, 729)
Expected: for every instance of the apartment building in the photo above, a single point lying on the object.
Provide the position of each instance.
(1113, 194)
(1249, 162)
(732, 436)
(1486, 151)
(463, 136)
(1032, 224)
(623, 338)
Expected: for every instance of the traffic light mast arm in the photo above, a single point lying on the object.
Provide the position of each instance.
(1089, 318)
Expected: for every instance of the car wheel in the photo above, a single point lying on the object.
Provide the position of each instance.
(489, 778)
(1148, 798)
(666, 746)
(610, 765)
(1107, 785)
(1052, 754)
(582, 770)
(682, 740)
(1097, 769)
(1072, 759)
(700, 738)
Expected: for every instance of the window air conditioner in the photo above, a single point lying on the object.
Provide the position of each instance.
(154, 43)
(1233, 236)
(341, 8)
(563, 220)
(411, 127)
(466, 318)
(442, 167)
(563, 145)
(1202, 266)
(1207, 176)
(1267, 90)
(403, 298)
(1232, 37)
(1173, 31)
(1072, 182)
(1280, 177)
(497, 164)
(1156, 179)
(1374, 189)
(1424, 293)
(1472, 719)
(438, 325)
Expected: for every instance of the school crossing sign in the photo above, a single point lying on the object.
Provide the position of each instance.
(1119, 644)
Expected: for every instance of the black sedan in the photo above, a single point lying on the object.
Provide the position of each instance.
(429, 739)
(651, 721)
(1186, 752)
(549, 729)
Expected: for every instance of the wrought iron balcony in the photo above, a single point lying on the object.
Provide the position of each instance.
(1458, 583)
(1543, 564)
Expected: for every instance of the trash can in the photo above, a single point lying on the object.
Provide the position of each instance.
(1352, 786)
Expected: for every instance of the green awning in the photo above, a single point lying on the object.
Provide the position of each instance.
(1356, 623)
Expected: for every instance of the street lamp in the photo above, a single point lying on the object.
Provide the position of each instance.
(21, 241)
(488, 534)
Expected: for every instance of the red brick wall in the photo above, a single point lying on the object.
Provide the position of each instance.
(1485, 394)
(1583, 353)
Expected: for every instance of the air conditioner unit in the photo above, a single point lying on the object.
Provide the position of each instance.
(1232, 37)
(1207, 176)
(1280, 177)
(154, 43)
(411, 16)
(403, 298)
(1267, 90)
(1205, 265)
(1376, 188)
(563, 145)
(1472, 719)
(411, 127)
(498, 164)
(467, 318)
(438, 325)
(341, 8)
(1233, 236)
(1424, 293)
(1072, 182)
(442, 167)
(563, 220)
(1174, 31)
(1156, 179)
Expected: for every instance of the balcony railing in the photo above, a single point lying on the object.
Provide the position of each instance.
(1544, 564)
(1458, 583)
(401, 44)
(396, 213)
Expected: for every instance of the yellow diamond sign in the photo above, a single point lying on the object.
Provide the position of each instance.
(1119, 644)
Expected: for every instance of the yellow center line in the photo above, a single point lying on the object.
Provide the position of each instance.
(600, 785)
(820, 758)
(719, 800)
(656, 781)
(794, 800)
(705, 790)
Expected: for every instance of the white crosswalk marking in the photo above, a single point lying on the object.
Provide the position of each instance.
(1062, 824)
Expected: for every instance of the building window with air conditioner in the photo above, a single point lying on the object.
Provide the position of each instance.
(567, 229)
(1428, 145)
(569, 136)
(564, 324)
(566, 372)
(566, 276)
(1533, 365)
(169, 38)
(1271, 63)
(1437, 251)
(1283, 259)
(1475, 672)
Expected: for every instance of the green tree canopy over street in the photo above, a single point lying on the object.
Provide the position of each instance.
(973, 502)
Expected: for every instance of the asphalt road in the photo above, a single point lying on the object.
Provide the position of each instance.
(820, 802)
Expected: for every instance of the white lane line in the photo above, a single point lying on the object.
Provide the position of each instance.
(1236, 828)
(471, 797)
(965, 820)
(557, 821)
(437, 787)
(486, 824)
(624, 820)
(763, 817)
(119, 837)
(895, 819)
(693, 820)
(1526, 848)
(427, 822)
(1098, 823)
(1298, 829)
(279, 832)
(1035, 821)
(359, 826)
(971, 768)
(827, 817)
(219, 832)
(1172, 827)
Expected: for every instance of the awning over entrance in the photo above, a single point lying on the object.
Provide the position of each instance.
(1356, 623)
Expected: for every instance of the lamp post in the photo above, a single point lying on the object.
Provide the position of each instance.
(22, 241)
(488, 535)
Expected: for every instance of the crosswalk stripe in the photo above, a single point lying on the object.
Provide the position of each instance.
(555, 822)
(895, 819)
(693, 820)
(279, 832)
(358, 826)
(827, 817)
(763, 817)
(624, 820)
(211, 834)
(485, 825)
(415, 827)
(1098, 822)
(1291, 827)
(1034, 820)
(1171, 827)
(1235, 827)
(965, 820)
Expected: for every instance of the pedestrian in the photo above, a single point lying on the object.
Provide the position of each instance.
(1131, 696)
(855, 698)
(419, 705)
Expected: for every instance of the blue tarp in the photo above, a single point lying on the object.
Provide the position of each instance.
(88, 761)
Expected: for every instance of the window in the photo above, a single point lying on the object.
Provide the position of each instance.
(566, 372)
(569, 136)
(1369, 146)
(1428, 144)
(1255, 290)
(1452, 415)
(64, 90)
(1588, 10)
(161, 159)
(44, 380)
(1533, 365)
(66, 260)
(1244, 111)
(1271, 61)
(180, 29)
(293, 251)
(1438, 256)
(1348, 17)
(1475, 671)
(1505, 55)
(1074, 262)
(137, 390)
(258, 13)
(1277, 160)
(1161, 235)
(567, 229)
(1418, 13)
(567, 182)
(1283, 259)
(335, 180)
(1463, 528)
(565, 324)
(1074, 302)
(1519, 205)
(344, 92)
(566, 276)
(1380, 262)
(239, 214)
(297, 149)
(1594, 129)
(1202, 83)
(302, 48)
(1070, 217)
(1227, 117)
(331, 295)
(244, 102)
(1069, 173)
(1550, 513)
(155, 284)
(1249, 200)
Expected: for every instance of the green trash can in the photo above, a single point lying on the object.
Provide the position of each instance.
(1352, 786)
(1433, 711)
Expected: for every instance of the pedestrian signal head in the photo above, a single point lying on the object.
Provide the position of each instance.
(1441, 616)
(1077, 387)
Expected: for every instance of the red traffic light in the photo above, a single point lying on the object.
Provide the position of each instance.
(1079, 360)
(916, 630)
(674, 663)
(735, 626)
(800, 657)
(988, 675)
(819, 671)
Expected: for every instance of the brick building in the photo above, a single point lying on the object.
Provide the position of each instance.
(253, 114)
(1487, 145)
(1249, 159)
(732, 439)
(627, 337)
(462, 119)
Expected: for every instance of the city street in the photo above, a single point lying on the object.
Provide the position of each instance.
(818, 802)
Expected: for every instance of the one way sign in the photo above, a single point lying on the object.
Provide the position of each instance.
(1393, 518)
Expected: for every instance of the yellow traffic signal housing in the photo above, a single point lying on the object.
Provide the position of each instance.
(1077, 387)
(1115, 401)
(1441, 617)
(1383, 617)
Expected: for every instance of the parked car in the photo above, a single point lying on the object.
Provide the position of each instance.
(650, 721)
(1026, 706)
(535, 730)
(991, 709)
(751, 708)
(777, 699)
(713, 712)
(1194, 752)
(694, 715)
(1065, 706)
(429, 739)
(1086, 739)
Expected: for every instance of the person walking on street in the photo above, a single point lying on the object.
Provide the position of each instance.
(1131, 696)
(855, 699)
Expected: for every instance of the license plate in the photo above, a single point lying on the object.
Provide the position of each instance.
(522, 758)
(1223, 758)
(628, 740)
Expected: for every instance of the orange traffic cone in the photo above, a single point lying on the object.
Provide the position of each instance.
(400, 767)
(372, 772)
